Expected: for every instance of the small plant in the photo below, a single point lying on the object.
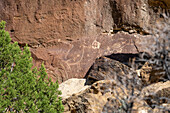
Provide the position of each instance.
(23, 89)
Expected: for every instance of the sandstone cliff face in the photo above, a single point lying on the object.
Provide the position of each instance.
(68, 35)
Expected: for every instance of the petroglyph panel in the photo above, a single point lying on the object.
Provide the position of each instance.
(70, 30)
(74, 59)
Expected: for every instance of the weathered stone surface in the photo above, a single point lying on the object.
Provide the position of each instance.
(105, 68)
(73, 59)
(68, 35)
(107, 96)
(151, 74)
(165, 4)
(72, 86)
(93, 99)
(39, 22)
(158, 89)
(154, 98)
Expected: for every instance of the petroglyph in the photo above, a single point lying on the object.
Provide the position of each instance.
(96, 44)
(74, 58)
(77, 24)
(62, 14)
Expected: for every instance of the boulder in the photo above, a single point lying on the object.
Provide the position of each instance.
(154, 98)
(94, 98)
(157, 90)
(150, 73)
(108, 96)
(105, 68)
(72, 86)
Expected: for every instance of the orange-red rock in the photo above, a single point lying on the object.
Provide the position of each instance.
(68, 34)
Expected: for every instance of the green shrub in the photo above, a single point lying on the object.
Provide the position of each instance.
(23, 89)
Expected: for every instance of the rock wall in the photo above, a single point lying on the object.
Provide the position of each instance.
(68, 35)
